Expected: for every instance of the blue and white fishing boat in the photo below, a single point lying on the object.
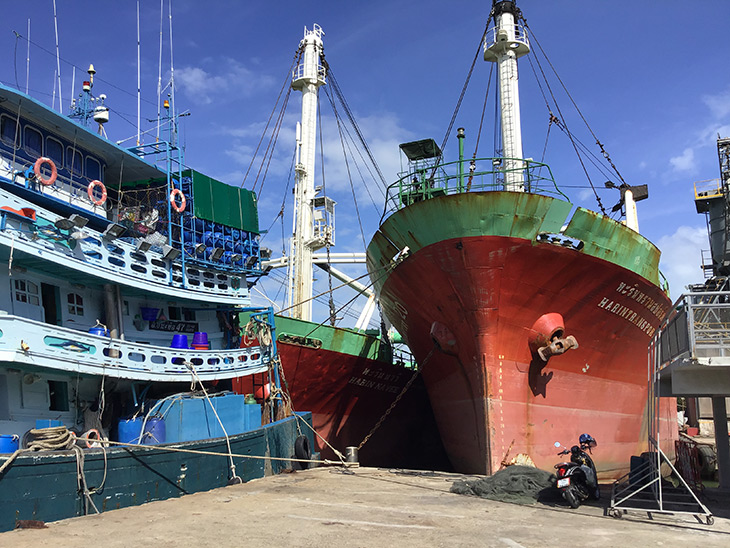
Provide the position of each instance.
(125, 272)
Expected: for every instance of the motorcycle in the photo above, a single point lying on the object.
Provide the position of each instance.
(577, 480)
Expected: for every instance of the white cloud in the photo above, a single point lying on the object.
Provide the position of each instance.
(230, 78)
(684, 162)
(719, 104)
(681, 257)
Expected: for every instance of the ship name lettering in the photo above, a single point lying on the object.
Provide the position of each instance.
(627, 314)
(365, 383)
(654, 307)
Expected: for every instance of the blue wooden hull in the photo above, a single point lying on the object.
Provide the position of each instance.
(43, 485)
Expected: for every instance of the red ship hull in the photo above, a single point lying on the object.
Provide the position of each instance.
(467, 305)
(348, 382)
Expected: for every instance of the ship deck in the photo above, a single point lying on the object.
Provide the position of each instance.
(369, 507)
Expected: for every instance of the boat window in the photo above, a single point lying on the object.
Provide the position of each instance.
(75, 304)
(188, 314)
(173, 313)
(26, 292)
(58, 392)
(73, 161)
(8, 128)
(93, 168)
(33, 141)
(54, 150)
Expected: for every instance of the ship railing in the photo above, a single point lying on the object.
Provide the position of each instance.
(91, 252)
(299, 72)
(697, 330)
(33, 343)
(69, 189)
(403, 357)
(423, 181)
(512, 36)
(710, 188)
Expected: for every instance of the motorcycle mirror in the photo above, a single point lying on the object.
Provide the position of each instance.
(557, 444)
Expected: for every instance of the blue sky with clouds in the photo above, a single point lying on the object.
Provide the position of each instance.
(650, 77)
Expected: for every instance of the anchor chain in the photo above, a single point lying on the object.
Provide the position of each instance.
(397, 399)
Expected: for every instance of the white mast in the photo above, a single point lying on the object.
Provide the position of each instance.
(307, 78)
(506, 42)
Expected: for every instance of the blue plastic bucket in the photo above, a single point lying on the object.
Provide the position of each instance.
(149, 314)
(9, 443)
(100, 331)
(200, 338)
(179, 341)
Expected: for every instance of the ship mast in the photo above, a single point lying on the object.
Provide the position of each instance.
(507, 41)
(307, 78)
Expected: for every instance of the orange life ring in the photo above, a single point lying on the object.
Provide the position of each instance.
(88, 437)
(183, 202)
(37, 170)
(90, 190)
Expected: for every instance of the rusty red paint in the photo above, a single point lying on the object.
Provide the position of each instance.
(494, 392)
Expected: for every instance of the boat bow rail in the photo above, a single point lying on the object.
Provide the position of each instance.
(36, 344)
(425, 180)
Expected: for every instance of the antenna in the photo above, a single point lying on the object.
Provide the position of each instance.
(172, 74)
(139, 84)
(27, 61)
(53, 97)
(159, 73)
(73, 85)
(58, 61)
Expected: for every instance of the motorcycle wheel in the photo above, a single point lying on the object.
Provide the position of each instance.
(571, 497)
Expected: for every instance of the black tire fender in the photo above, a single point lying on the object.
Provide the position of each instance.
(302, 450)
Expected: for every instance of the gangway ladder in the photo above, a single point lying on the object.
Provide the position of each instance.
(642, 489)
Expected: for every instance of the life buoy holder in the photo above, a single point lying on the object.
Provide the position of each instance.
(37, 170)
(90, 191)
(183, 202)
(90, 436)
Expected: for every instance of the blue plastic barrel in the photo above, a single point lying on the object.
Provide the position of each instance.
(9, 443)
(129, 431)
(154, 431)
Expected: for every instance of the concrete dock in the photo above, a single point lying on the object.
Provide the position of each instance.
(368, 507)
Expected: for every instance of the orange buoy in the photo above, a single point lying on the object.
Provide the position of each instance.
(183, 202)
(37, 170)
(90, 191)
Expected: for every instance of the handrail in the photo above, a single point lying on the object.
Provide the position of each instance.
(424, 181)
(697, 327)
(32, 342)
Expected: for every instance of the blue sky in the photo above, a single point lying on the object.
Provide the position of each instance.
(651, 78)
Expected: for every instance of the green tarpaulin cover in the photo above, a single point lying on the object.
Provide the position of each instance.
(222, 203)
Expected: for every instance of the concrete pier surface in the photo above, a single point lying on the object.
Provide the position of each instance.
(327, 507)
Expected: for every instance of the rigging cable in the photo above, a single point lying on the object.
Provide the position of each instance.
(580, 159)
(466, 85)
(348, 112)
(297, 58)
